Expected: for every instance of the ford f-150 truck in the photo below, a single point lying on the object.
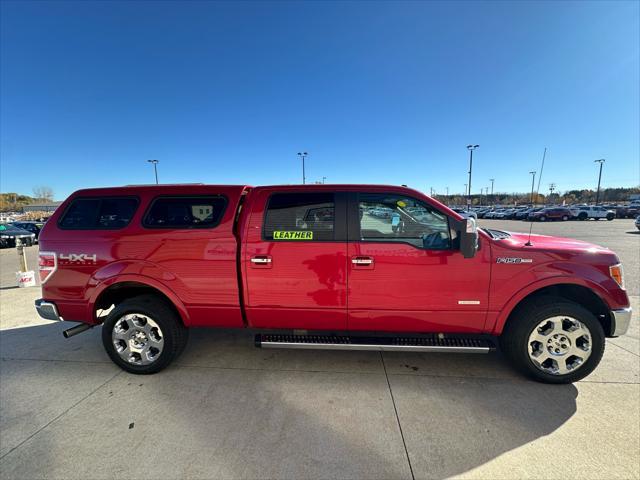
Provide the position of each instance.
(318, 266)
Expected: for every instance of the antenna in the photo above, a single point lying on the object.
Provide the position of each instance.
(544, 155)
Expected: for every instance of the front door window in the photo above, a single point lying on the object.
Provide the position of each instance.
(396, 218)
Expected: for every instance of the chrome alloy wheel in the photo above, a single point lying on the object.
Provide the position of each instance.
(137, 339)
(559, 345)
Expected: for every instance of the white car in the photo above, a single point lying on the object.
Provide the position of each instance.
(585, 212)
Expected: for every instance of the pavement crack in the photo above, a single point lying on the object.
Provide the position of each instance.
(395, 409)
(629, 351)
(61, 414)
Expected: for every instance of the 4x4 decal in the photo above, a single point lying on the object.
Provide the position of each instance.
(78, 257)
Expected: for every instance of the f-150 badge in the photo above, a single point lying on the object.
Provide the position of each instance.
(513, 260)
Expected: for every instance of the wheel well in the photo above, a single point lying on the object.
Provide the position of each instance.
(575, 293)
(119, 292)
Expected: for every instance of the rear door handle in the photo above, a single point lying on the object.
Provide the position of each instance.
(362, 262)
(261, 261)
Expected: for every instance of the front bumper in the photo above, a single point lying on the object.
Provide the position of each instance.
(620, 321)
(47, 310)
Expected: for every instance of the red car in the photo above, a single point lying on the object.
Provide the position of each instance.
(552, 213)
(315, 266)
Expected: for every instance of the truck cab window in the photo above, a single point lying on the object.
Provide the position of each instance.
(396, 218)
(300, 217)
(107, 213)
(185, 212)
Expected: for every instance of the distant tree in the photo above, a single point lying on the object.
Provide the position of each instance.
(43, 193)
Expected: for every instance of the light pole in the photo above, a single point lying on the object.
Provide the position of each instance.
(533, 181)
(471, 148)
(492, 180)
(600, 161)
(155, 168)
(323, 179)
(465, 191)
(303, 155)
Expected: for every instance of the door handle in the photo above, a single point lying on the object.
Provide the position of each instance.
(362, 261)
(261, 260)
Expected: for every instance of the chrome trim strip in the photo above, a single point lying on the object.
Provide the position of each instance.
(47, 310)
(620, 321)
(377, 348)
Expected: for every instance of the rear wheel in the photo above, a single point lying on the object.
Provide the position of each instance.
(553, 340)
(610, 216)
(565, 218)
(582, 216)
(143, 334)
(543, 218)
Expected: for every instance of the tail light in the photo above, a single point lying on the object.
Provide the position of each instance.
(47, 264)
(617, 274)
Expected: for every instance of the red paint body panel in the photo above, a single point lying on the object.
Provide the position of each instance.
(209, 277)
(413, 290)
(306, 284)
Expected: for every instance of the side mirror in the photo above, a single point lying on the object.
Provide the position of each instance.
(469, 238)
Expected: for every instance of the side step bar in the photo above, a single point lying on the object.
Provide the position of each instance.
(379, 344)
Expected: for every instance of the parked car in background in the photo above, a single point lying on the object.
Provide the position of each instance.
(33, 227)
(632, 210)
(10, 234)
(465, 213)
(524, 213)
(638, 222)
(586, 212)
(551, 213)
(481, 212)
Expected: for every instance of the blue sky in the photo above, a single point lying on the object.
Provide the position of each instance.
(375, 92)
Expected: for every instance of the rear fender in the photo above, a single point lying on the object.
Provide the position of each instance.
(103, 283)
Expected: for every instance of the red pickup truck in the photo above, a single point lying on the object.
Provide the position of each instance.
(361, 267)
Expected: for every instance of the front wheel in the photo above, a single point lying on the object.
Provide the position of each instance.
(553, 340)
(543, 218)
(143, 334)
(565, 218)
(610, 216)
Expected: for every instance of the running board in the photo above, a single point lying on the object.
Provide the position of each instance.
(378, 344)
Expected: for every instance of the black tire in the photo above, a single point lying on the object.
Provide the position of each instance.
(582, 216)
(543, 218)
(610, 216)
(174, 334)
(515, 337)
(565, 218)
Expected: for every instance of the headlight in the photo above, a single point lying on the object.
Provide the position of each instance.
(617, 273)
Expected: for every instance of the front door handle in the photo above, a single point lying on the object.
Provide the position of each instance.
(261, 261)
(362, 262)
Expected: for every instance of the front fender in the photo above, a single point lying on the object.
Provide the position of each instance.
(512, 303)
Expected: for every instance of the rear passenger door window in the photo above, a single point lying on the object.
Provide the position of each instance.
(185, 212)
(300, 217)
(107, 213)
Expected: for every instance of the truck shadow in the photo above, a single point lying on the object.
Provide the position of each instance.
(247, 413)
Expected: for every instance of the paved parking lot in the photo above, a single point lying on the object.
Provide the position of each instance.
(229, 410)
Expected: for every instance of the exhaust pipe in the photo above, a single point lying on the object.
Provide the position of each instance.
(83, 327)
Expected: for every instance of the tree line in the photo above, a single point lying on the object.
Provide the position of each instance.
(588, 196)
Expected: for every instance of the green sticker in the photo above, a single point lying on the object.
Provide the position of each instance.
(290, 235)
